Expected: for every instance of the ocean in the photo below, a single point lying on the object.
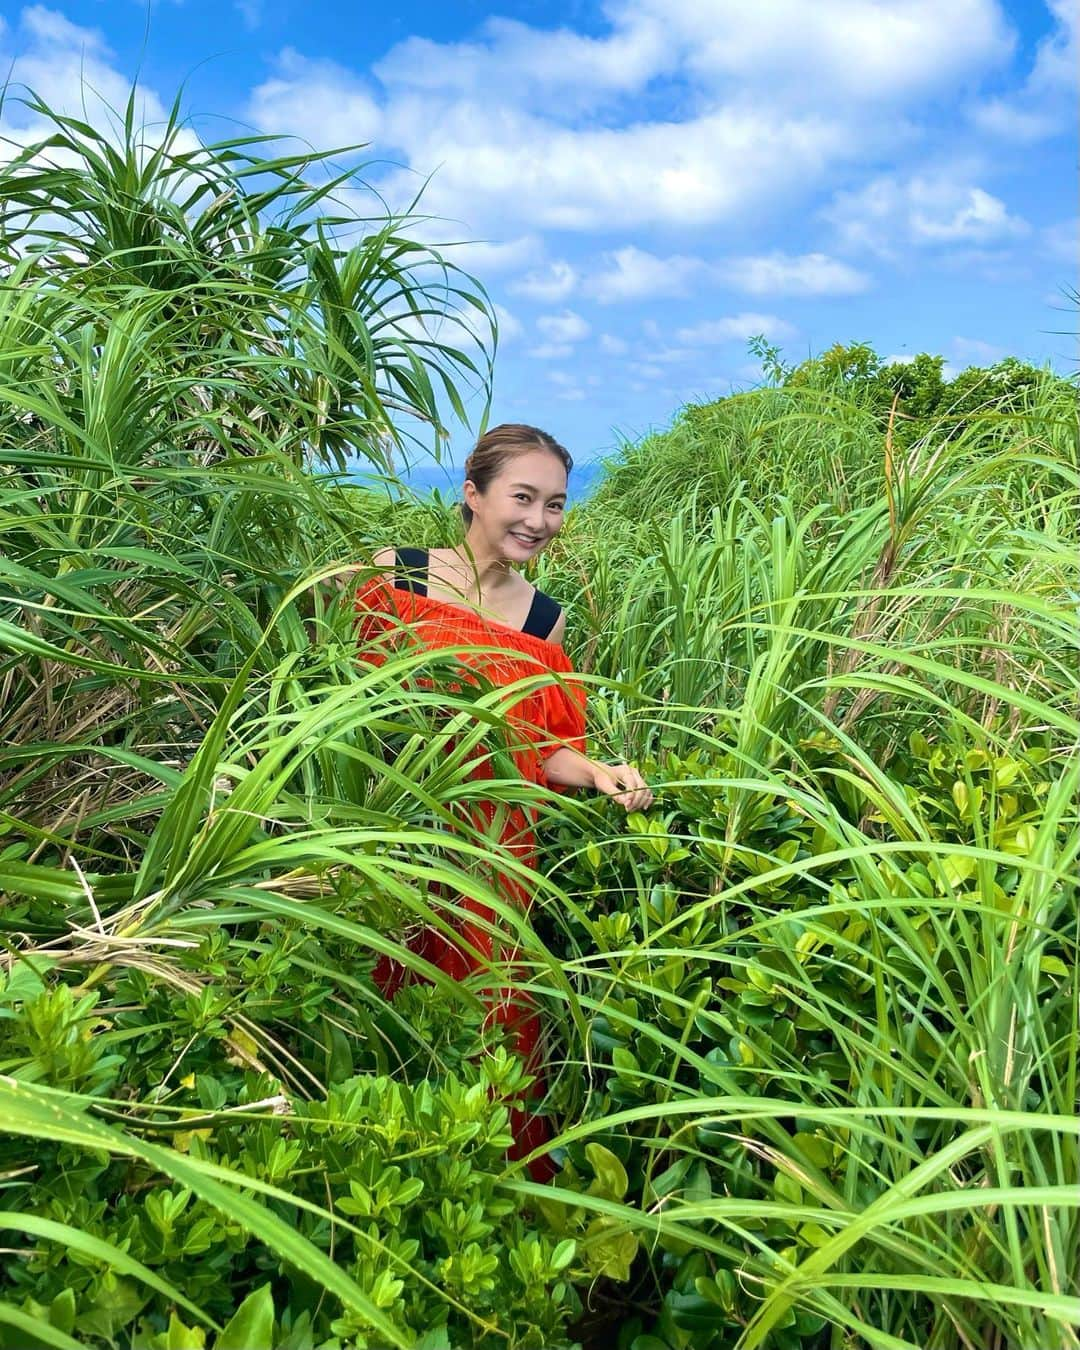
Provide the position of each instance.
(428, 476)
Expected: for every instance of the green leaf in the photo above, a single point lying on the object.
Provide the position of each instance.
(611, 1181)
(251, 1327)
(564, 1253)
(180, 1337)
(34, 1332)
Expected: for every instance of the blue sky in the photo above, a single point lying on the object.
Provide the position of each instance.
(649, 182)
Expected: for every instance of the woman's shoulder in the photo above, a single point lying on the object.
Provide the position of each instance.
(545, 618)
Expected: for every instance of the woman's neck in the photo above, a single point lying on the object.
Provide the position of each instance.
(479, 565)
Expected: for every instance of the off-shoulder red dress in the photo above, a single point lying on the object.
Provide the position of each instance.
(548, 715)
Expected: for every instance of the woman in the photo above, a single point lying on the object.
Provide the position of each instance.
(471, 596)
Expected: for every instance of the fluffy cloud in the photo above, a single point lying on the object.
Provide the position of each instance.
(767, 100)
(633, 274)
(923, 209)
(567, 386)
(70, 68)
(1045, 104)
(486, 257)
(855, 51)
(784, 274)
(319, 101)
(737, 328)
(976, 352)
(975, 217)
(510, 327)
(514, 168)
(878, 52)
(554, 282)
(563, 328)
(530, 65)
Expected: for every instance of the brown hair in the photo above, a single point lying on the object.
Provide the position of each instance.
(502, 443)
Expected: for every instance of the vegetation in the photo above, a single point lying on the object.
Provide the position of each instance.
(812, 1022)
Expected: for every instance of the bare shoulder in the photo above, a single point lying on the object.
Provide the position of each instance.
(382, 560)
(558, 629)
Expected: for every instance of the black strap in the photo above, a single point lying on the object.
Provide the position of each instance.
(411, 573)
(542, 617)
(411, 569)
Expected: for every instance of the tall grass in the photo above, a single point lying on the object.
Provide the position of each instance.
(812, 1022)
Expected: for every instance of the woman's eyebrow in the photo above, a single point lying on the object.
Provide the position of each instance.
(530, 488)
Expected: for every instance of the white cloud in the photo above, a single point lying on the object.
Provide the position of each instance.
(924, 209)
(834, 51)
(520, 170)
(1011, 121)
(530, 64)
(1056, 59)
(875, 52)
(551, 351)
(737, 328)
(563, 328)
(554, 282)
(976, 217)
(783, 274)
(976, 352)
(484, 257)
(1045, 103)
(612, 346)
(647, 371)
(510, 327)
(631, 273)
(318, 101)
(776, 95)
(69, 68)
(567, 385)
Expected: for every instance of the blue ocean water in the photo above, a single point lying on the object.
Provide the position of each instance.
(446, 479)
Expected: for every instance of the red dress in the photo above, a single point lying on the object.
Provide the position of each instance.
(548, 716)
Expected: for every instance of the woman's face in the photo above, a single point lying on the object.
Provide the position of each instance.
(522, 508)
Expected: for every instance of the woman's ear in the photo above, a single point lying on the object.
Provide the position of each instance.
(470, 493)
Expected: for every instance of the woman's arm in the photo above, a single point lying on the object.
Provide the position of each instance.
(622, 782)
(566, 767)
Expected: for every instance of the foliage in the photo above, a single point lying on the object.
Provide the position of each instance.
(811, 1021)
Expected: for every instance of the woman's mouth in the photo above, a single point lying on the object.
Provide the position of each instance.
(529, 540)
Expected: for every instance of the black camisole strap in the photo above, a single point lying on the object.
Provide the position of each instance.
(542, 616)
(411, 572)
(411, 569)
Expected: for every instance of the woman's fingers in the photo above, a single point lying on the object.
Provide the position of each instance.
(627, 787)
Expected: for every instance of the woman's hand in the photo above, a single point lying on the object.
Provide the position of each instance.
(623, 784)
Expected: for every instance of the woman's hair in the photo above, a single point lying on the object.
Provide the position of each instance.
(502, 443)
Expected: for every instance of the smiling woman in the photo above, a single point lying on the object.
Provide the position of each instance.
(470, 603)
